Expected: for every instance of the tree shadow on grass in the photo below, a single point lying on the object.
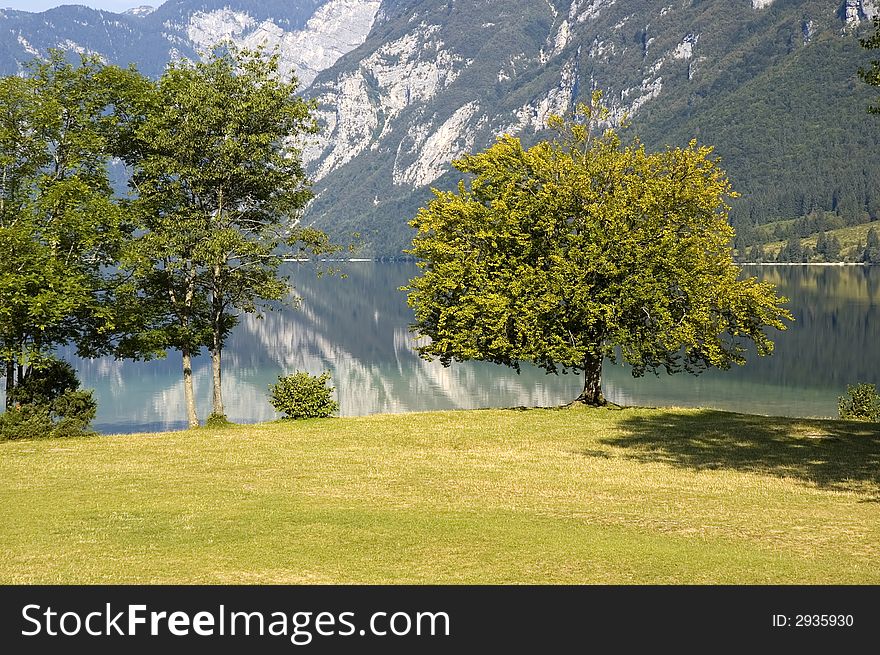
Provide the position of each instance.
(841, 455)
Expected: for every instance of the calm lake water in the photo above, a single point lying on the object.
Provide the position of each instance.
(356, 328)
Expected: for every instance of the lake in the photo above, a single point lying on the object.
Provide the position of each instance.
(357, 328)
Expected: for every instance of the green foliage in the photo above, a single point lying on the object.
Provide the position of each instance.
(43, 385)
(828, 248)
(871, 75)
(220, 186)
(756, 254)
(861, 403)
(26, 422)
(217, 421)
(60, 227)
(793, 252)
(303, 396)
(582, 248)
(871, 253)
(48, 403)
(75, 410)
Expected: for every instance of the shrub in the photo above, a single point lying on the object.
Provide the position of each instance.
(861, 403)
(74, 410)
(217, 421)
(26, 422)
(48, 403)
(303, 396)
(43, 385)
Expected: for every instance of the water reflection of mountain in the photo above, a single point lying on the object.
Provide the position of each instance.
(357, 328)
(355, 316)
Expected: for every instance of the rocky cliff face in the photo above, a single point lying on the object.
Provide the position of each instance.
(854, 12)
(333, 30)
(311, 35)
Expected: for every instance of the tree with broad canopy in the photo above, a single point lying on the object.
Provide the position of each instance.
(583, 248)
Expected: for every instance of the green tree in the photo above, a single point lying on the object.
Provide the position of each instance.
(871, 251)
(822, 245)
(220, 186)
(871, 75)
(861, 403)
(581, 248)
(756, 254)
(792, 251)
(47, 402)
(832, 250)
(60, 226)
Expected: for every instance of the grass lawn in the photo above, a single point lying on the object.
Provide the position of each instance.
(489, 496)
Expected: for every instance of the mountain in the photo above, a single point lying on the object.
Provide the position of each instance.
(773, 85)
(310, 34)
(404, 86)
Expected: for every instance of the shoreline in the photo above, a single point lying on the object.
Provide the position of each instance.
(387, 260)
(805, 264)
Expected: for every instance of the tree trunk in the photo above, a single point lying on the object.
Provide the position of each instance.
(217, 399)
(10, 382)
(217, 345)
(191, 416)
(592, 393)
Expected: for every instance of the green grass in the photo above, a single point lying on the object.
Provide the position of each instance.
(491, 496)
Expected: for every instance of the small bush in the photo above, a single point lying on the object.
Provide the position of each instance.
(861, 403)
(26, 422)
(303, 396)
(48, 403)
(217, 421)
(75, 405)
(72, 412)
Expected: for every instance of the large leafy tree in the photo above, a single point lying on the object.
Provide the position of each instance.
(60, 227)
(582, 248)
(219, 187)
